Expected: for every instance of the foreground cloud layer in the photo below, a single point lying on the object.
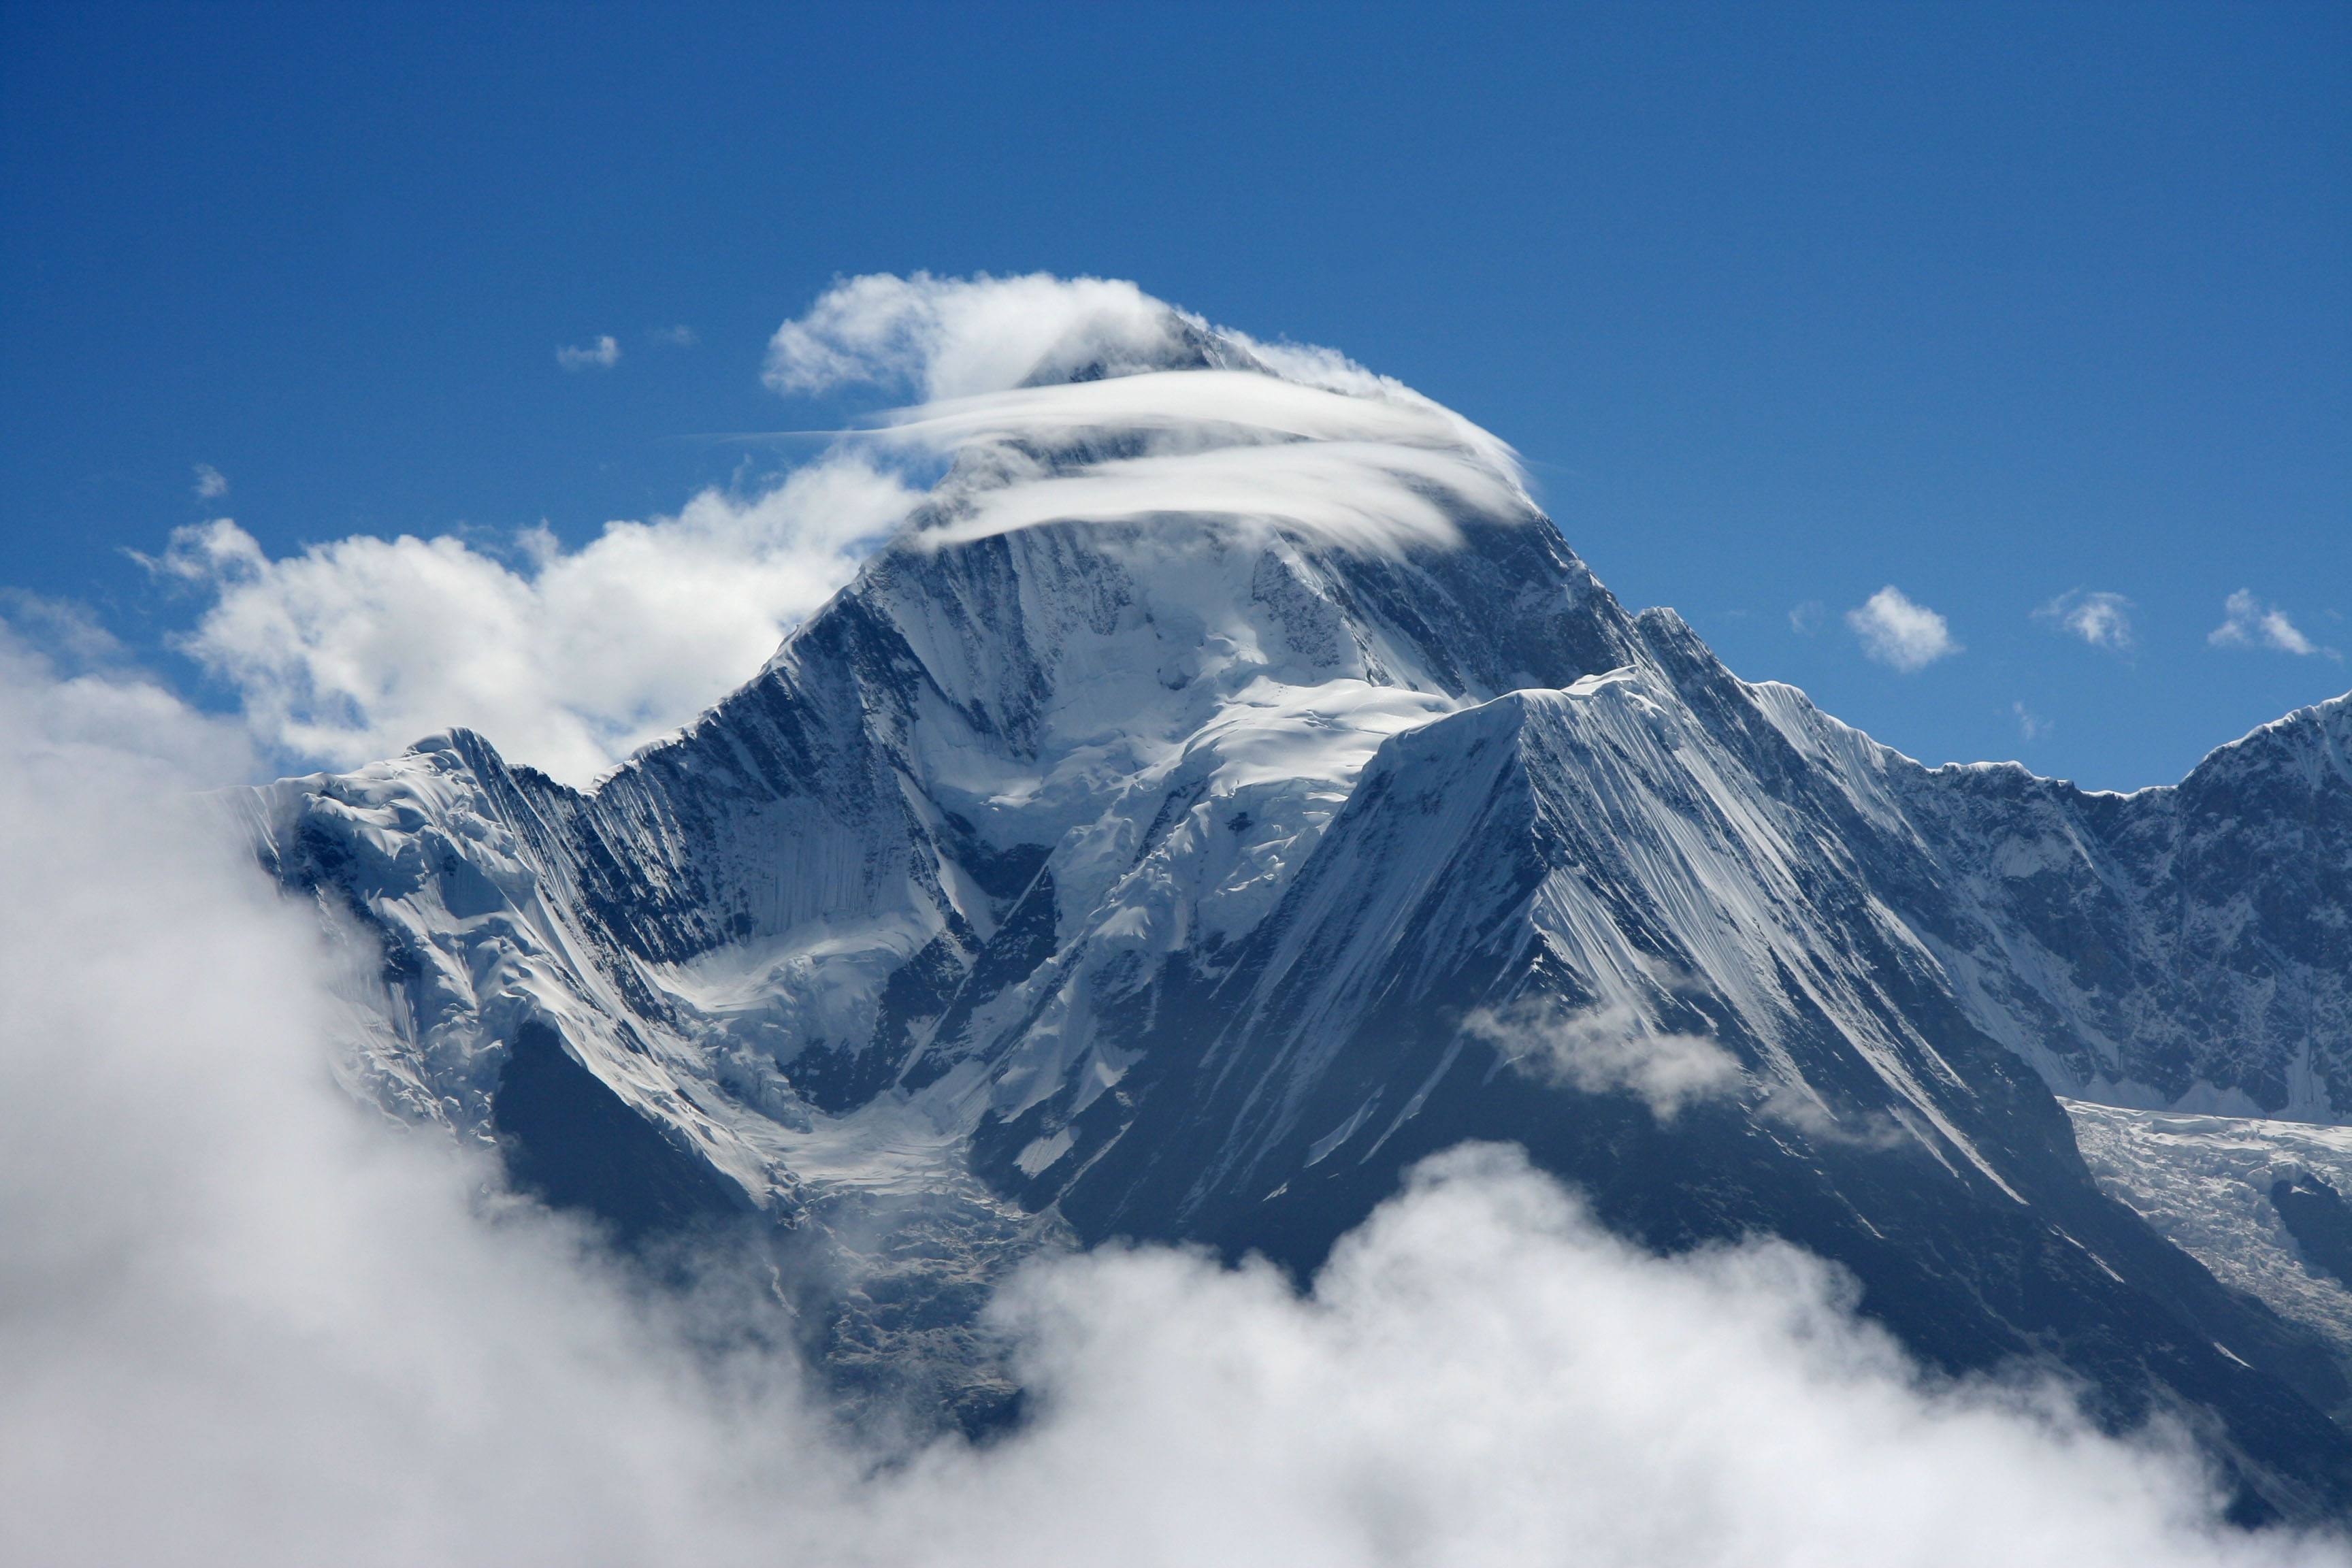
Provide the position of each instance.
(243, 1319)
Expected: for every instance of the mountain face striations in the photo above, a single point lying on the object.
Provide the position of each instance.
(1185, 869)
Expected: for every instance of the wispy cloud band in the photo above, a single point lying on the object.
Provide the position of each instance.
(2248, 622)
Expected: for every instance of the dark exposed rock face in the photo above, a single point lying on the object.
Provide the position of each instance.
(571, 1142)
(2319, 1219)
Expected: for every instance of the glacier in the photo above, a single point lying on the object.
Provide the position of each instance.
(1228, 789)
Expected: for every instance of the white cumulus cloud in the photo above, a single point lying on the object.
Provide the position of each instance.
(567, 660)
(211, 483)
(2100, 619)
(603, 353)
(1899, 633)
(2247, 622)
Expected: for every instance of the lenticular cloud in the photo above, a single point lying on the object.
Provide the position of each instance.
(1045, 399)
(1087, 400)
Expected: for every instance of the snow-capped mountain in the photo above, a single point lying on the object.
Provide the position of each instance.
(1229, 789)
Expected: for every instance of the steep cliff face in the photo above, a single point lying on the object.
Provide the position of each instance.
(1186, 874)
(2188, 947)
(982, 778)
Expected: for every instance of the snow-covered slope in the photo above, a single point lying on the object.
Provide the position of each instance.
(1230, 788)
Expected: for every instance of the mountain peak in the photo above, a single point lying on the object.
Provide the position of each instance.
(1230, 789)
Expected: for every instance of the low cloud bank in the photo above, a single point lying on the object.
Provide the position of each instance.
(244, 1320)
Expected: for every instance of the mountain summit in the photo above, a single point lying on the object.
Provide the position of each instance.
(1228, 789)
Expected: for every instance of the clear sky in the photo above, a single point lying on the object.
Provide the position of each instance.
(1783, 304)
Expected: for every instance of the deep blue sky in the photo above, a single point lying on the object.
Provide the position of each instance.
(1782, 302)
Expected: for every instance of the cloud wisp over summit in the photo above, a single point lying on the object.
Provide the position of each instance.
(1046, 374)
(571, 659)
(942, 338)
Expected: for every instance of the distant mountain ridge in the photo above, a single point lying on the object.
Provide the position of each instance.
(1186, 874)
